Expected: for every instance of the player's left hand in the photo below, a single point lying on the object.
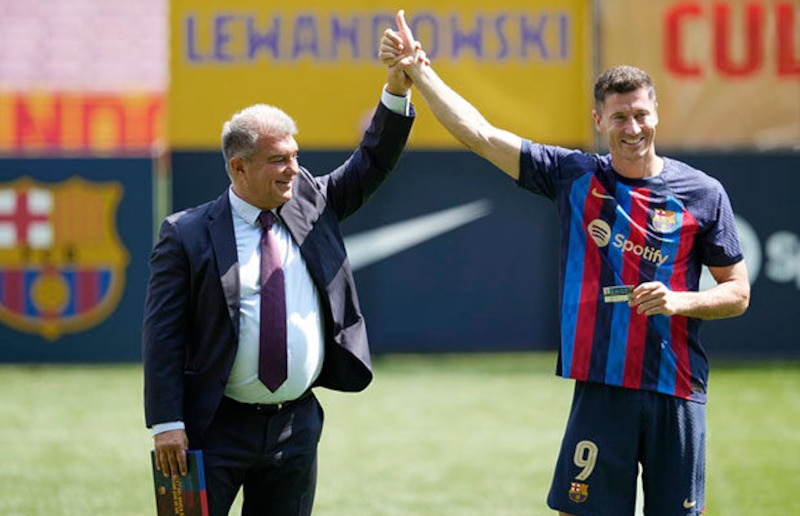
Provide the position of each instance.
(653, 298)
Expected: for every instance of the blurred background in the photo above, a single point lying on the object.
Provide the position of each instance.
(110, 116)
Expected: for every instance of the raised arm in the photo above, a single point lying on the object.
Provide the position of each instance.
(459, 117)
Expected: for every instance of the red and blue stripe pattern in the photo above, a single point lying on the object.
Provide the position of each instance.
(609, 342)
(85, 289)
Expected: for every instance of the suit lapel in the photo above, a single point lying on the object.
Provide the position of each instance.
(301, 213)
(314, 229)
(223, 241)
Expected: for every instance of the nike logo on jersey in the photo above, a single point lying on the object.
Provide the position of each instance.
(601, 195)
(687, 504)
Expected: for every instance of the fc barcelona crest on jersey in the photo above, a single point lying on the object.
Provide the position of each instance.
(664, 221)
(578, 492)
(62, 263)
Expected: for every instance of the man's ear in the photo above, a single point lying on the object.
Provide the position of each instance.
(596, 118)
(236, 165)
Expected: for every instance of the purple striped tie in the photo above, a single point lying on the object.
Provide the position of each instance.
(272, 331)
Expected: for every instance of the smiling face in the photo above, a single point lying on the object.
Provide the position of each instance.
(265, 179)
(628, 122)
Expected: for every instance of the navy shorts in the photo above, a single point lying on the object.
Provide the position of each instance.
(610, 431)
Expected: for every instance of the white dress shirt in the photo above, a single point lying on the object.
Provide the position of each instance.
(304, 331)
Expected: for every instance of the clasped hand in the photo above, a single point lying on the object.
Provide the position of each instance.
(399, 48)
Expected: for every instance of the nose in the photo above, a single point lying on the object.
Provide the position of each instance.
(294, 166)
(632, 126)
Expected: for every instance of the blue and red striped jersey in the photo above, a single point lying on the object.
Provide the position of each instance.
(616, 232)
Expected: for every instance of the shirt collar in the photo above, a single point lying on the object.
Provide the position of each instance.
(244, 210)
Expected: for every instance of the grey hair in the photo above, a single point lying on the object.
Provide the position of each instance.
(241, 133)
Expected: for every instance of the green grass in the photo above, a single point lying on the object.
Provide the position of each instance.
(433, 435)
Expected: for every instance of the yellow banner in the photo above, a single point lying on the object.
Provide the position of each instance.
(525, 65)
(727, 73)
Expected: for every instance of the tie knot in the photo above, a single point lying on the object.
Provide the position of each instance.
(266, 218)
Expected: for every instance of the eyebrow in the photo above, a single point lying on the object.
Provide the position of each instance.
(281, 155)
(633, 112)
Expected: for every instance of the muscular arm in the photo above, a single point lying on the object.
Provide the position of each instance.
(455, 113)
(465, 122)
(730, 297)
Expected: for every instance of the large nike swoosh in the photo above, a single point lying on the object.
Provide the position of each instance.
(368, 247)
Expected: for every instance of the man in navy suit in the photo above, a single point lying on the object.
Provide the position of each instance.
(200, 339)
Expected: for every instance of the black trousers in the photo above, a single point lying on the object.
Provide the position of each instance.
(268, 451)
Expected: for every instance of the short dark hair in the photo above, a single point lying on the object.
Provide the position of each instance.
(622, 79)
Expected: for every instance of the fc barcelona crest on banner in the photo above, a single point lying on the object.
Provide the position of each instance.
(62, 263)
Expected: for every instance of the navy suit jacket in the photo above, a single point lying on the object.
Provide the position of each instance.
(191, 314)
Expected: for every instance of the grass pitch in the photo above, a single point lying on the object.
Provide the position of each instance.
(434, 435)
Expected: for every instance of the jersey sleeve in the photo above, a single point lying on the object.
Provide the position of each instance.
(546, 169)
(720, 246)
(538, 168)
